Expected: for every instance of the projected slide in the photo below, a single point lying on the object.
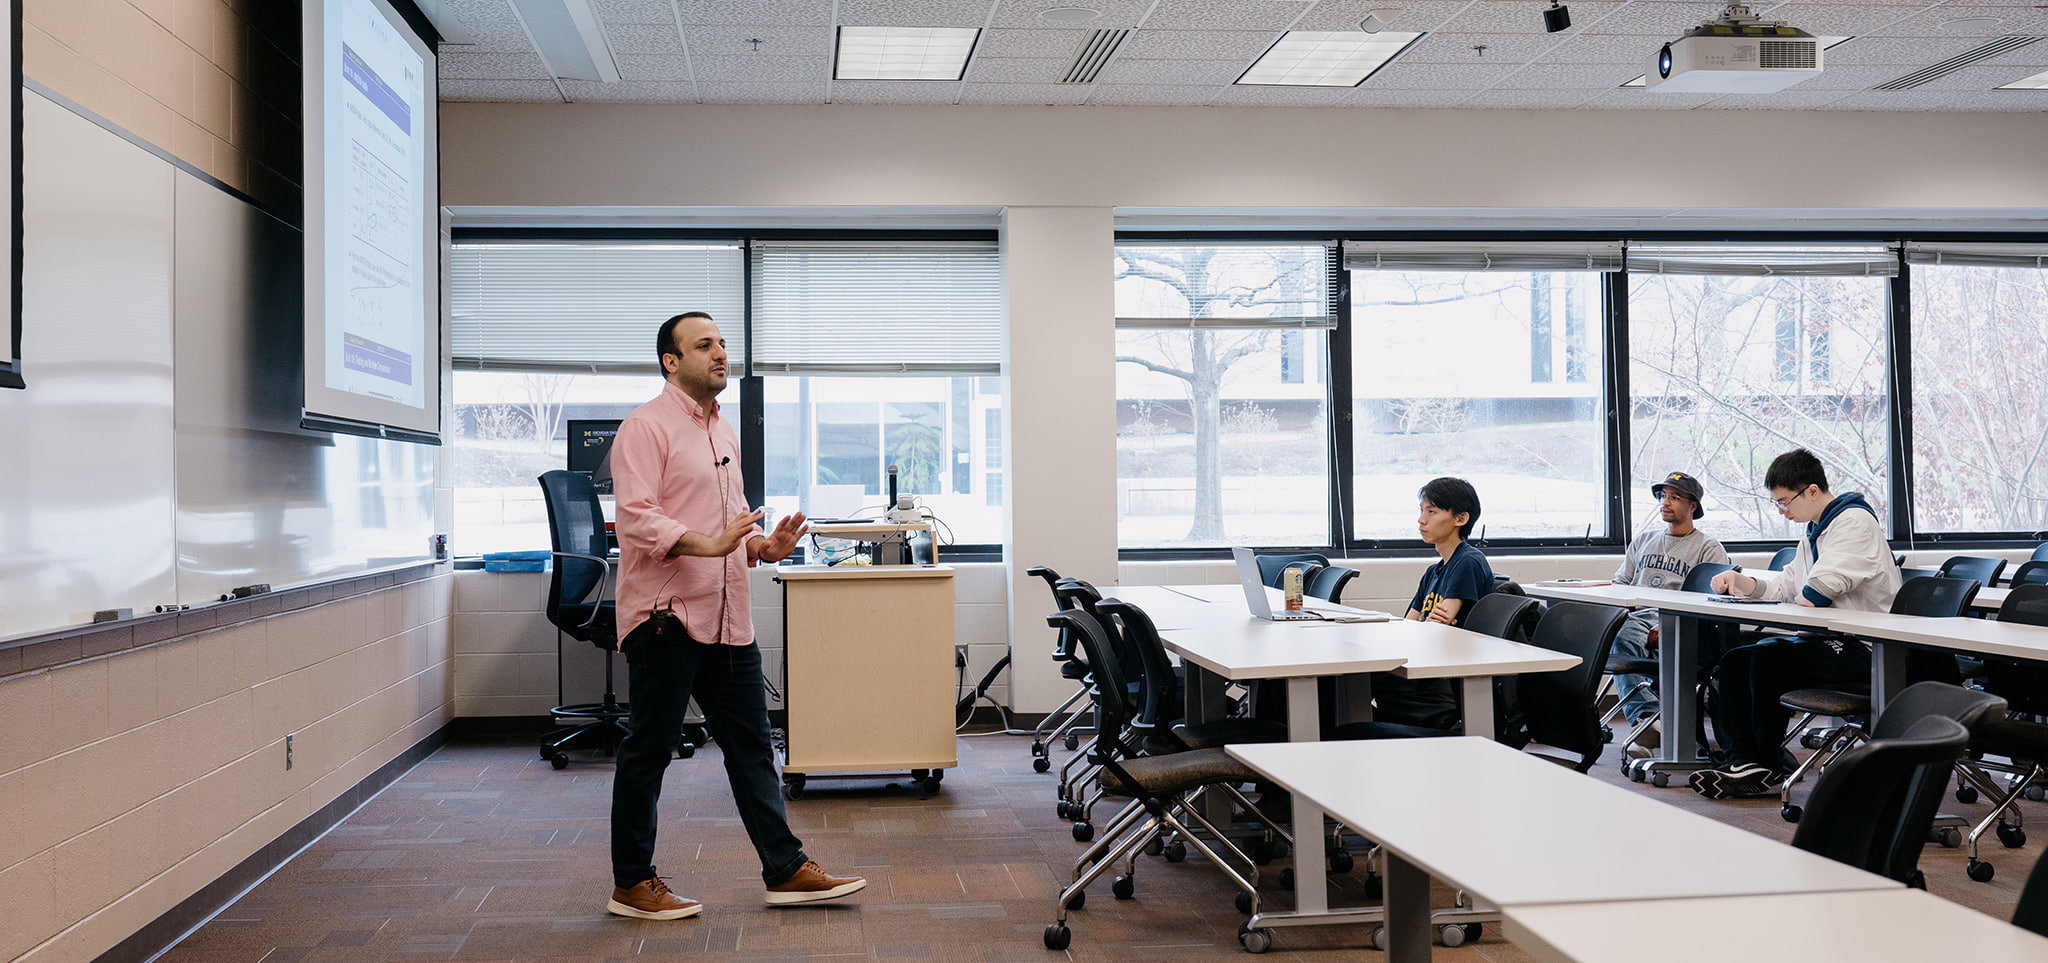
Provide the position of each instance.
(375, 340)
(373, 333)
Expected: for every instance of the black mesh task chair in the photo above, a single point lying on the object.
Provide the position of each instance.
(2033, 572)
(1907, 574)
(1783, 557)
(1270, 566)
(1060, 724)
(2031, 912)
(2038, 558)
(1984, 570)
(579, 610)
(1327, 583)
(2023, 744)
(1866, 800)
(1929, 596)
(1699, 579)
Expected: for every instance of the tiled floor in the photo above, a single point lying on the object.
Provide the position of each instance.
(484, 852)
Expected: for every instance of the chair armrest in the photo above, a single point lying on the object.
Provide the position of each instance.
(604, 574)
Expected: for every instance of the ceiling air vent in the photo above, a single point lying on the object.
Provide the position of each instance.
(1093, 56)
(1953, 64)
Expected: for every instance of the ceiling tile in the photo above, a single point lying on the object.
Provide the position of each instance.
(1241, 45)
(2022, 20)
(2003, 100)
(1838, 20)
(1849, 77)
(479, 11)
(1526, 16)
(495, 37)
(1345, 14)
(1139, 95)
(1898, 51)
(1978, 77)
(1456, 48)
(1636, 98)
(1123, 70)
(1798, 98)
(1027, 42)
(491, 66)
(1509, 99)
(1025, 94)
(1224, 14)
(1651, 18)
(644, 38)
(723, 40)
(895, 91)
(1581, 77)
(1895, 100)
(1115, 13)
(635, 11)
(649, 68)
(743, 12)
(1007, 71)
(748, 68)
(518, 91)
(1596, 49)
(761, 93)
(1370, 97)
(914, 13)
(1282, 97)
(1400, 75)
(592, 92)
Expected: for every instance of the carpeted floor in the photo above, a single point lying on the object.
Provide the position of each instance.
(484, 852)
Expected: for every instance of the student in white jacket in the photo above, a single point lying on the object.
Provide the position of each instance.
(1842, 561)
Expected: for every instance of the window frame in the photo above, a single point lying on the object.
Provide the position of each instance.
(1902, 528)
(752, 426)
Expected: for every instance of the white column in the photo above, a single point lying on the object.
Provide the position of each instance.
(1059, 423)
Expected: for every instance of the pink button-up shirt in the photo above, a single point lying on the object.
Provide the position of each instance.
(675, 469)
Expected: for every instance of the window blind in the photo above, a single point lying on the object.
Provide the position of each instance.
(587, 307)
(1763, 260)
(1481, 256)
(877, 307)
(1978, 255)
(1225, 285)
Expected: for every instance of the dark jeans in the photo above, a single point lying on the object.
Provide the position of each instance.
(1747, 717)
(667, 668)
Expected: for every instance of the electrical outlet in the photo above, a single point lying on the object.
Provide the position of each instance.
(287, 753)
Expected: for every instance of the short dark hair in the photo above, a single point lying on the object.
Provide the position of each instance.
(665, 342)
(1454, 495)
(1794, 470)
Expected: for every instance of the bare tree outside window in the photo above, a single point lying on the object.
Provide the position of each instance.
(1726, 372)
(1980, 399)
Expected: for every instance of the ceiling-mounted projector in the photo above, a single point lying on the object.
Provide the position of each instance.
(1736, 54)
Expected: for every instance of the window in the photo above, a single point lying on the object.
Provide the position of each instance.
(1980, 359)
(1479, 362)
(1740, 353)
(1222, 433)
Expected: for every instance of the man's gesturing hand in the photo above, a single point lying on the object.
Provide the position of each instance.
(719, 544)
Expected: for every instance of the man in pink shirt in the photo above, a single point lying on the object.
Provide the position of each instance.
(686, 539)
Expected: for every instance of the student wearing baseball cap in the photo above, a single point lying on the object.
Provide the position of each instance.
(1659, 557)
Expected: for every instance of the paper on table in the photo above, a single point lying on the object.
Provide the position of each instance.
(1575, 582)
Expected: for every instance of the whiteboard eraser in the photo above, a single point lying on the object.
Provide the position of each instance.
(113, 615)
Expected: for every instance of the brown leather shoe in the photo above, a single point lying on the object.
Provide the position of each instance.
(650, 899)
(811, 884)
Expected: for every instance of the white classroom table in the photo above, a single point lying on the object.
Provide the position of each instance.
(1890, 924)
(1302, 652)
(2007, 640)
(1514, 829)
(1989, 600)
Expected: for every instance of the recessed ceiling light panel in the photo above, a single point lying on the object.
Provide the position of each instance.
(1339, 58)
(903, 53)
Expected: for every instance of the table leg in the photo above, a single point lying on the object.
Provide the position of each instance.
(1407, 906)
(1304, 724)
(1678, 656)
(1479, 706)
(1887, 673)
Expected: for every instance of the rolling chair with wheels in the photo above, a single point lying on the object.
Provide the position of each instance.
(1327, 583)
(1270, 566)
(579, 610)
(1061, 723)
(2034, 572)
(1984, 570)
(1783, 557)
(1929, 596)
(2031, 912)
(1907, 573)
(2040, 554)
(1699, 579)
(1872, 798)
(2023, 743)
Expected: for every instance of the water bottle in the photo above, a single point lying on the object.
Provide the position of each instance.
(1290, 588)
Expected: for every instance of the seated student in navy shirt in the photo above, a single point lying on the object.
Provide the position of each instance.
(1449, 509)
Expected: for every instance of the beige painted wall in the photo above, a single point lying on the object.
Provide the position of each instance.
(131, 780)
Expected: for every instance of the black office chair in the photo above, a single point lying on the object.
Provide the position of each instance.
(1984, 570)
(1929, 596)
(1270, 566)
(1783, 557)
(1160, 789)
(2022, 743)
(2034, 572)
(2040, 555)
(579, 610)
(2031, 912)
(1060, 724)
(1867, 799)
(1505, 616)
(1327, 583)
(1907, 574)
(1699, 579)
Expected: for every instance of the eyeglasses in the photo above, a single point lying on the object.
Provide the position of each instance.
(1786, 502)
